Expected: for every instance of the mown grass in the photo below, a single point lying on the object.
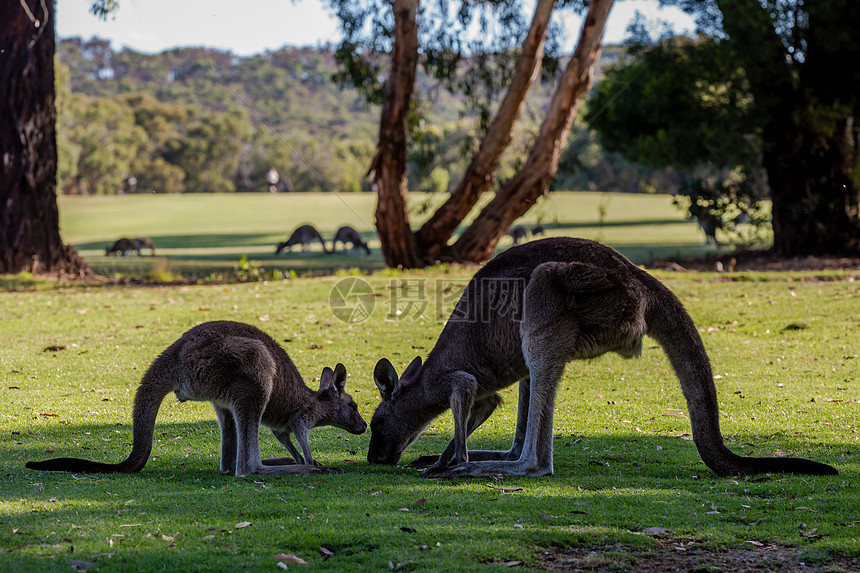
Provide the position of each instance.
(784, 348)
(205, 236)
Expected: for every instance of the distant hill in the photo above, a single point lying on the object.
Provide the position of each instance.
(276, 109)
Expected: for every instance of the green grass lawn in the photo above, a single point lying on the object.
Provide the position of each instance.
(203, 235)
(784, 348)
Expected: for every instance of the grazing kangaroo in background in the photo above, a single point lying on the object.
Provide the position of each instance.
(346, 235)
(521, 318)
(518, 234)
(144, 242)
(302, 236)
(122, 247)
(250, 380)
(709, 225)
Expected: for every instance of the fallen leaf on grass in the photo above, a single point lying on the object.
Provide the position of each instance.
(421, 501)
(326, 552)
(290, 558)
(511, 563)
(756, 543)
(242, 524)
(545, 516)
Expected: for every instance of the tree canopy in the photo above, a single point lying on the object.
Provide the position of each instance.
(772, 89)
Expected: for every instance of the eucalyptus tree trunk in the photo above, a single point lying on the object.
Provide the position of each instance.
(29, 218)
(403, 248)
(389, 163)
(520, 193)
(433, 236)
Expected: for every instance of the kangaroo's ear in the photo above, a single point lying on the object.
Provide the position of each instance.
(339, 377)
(326, 378)
(386, 379)
(413, 368)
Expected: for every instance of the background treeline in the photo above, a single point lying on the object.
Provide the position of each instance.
(198, 120)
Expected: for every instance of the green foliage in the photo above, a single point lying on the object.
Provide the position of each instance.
(72, 359)
(680, 102)
(764, 94)
(318, 135)
(684, 104)
(215, 122)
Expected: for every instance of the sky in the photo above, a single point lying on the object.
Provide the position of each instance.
(254, 26)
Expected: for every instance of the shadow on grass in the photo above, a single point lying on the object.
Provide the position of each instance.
(663, 457)
(606, 490)
(216, 254)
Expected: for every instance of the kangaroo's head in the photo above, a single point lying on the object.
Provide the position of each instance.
(280, 247)
(340, 410)
(397, 421)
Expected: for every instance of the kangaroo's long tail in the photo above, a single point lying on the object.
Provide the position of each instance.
(153, 388)
(673, 328)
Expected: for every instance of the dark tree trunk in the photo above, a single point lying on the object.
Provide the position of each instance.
(433, 236)
(520, 193)
(809, 142)
(389, 164)
(29, 220)
(815, 200)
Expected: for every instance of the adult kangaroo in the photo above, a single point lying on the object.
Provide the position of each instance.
(346, 235)
(521, 318)
(303, 236)
(124, 247)
(250, 380)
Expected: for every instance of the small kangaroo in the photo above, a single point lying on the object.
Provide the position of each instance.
(302, 236)
(521, 318)
(124, 247)
(346, 235)
(144, 242)
(250, 380)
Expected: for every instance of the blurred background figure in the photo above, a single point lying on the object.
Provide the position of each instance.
(272, 179)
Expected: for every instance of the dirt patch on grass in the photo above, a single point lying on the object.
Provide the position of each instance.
(668, 556)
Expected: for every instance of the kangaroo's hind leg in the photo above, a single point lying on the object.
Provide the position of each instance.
(228, 438)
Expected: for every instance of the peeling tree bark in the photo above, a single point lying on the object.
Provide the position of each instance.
(481, 173)
(403, 248)
(29, 218)
(520, 193)
(389, 164)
